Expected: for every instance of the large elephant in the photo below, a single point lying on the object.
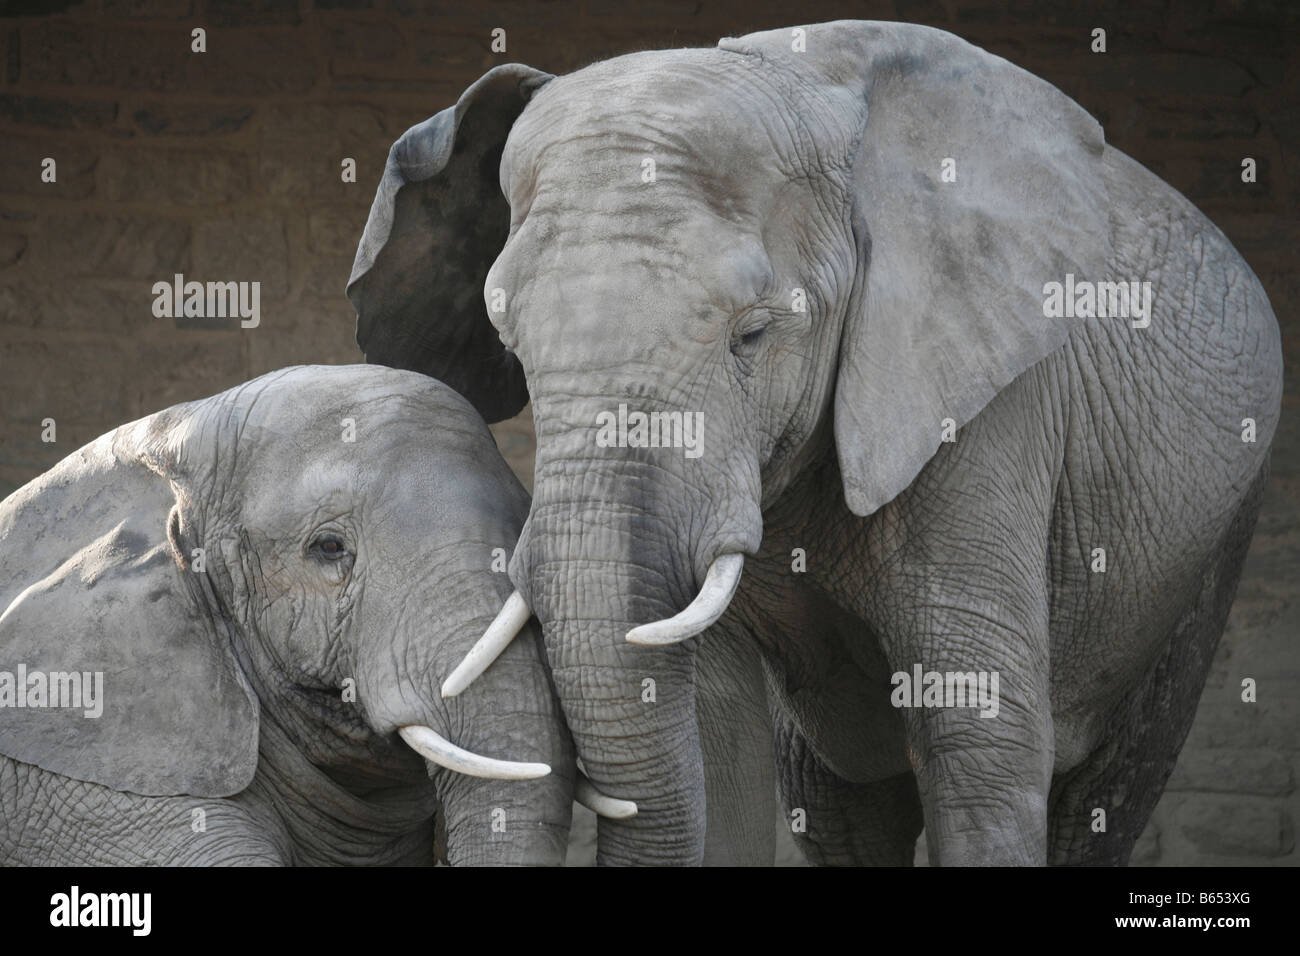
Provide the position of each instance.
(252, 600)
(856, 266)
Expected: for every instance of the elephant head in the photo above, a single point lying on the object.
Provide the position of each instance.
(303, 558)
(751, 253)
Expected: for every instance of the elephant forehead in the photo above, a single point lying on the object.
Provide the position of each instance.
(692, 113)
(700, 267)
(312, 391)
(314, 405)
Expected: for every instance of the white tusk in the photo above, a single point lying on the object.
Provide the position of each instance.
(586, 793)
(434, 747)
(510, 620)
(719, 585)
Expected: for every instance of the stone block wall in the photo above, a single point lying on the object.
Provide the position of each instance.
(225, 165)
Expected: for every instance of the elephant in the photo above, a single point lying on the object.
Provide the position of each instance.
(229, 621)
(858, 347)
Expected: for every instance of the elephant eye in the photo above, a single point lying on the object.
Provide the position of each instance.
(330, 547)
(746, 342)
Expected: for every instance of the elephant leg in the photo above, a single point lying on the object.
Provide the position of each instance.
(1126, 775)
(961, 608)
(971, 647)
(984, 773)
(839, 823)
(736, 739)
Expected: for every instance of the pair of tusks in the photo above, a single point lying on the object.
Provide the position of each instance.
(434, 747)
(719, 586)
(716, 593)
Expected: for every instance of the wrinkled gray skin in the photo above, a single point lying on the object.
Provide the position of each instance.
(223, 689)
(820, 170)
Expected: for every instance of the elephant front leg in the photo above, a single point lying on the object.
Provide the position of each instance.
(839, 823)
(978, 726)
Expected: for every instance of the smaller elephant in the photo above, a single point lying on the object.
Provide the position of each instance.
(225, 626)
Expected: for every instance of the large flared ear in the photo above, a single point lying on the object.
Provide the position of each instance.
(975, 185)
(115, 663)
(435, 228)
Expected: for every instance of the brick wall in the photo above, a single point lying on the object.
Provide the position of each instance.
(225, 165)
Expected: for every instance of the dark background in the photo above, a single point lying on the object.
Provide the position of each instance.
(225, 166)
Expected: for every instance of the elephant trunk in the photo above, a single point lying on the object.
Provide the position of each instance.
(631, 709)
(491, 822)
(500, 759)
(502, 765)
(510, 713)
(595, 566)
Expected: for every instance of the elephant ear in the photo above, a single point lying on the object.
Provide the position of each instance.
(99, 612)
(947, 305)
(437, 224)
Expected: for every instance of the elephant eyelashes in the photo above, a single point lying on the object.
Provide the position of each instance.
(329, 547)
(746, 344)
